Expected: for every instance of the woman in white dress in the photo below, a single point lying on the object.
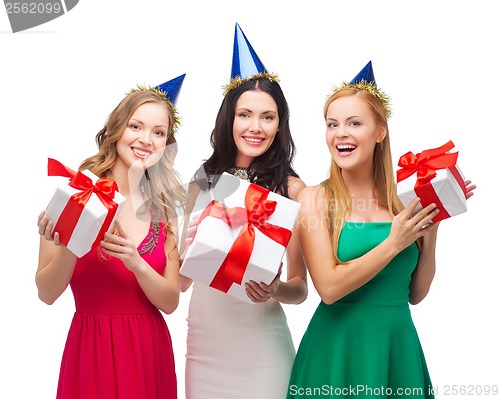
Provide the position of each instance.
(237, 350)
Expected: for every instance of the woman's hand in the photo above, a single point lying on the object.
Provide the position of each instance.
(406, 228)
(189, 234)
(122, 247)
(469, 189)
(45, 227)
(263, 292)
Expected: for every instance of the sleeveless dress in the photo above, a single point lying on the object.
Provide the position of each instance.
(236, 350)
(118, 345)
(365, 344)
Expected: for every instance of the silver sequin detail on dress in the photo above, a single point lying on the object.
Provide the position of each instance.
(242, 173)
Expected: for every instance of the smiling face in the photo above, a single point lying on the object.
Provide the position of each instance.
(144, 138)
(352, 133)
(255, 125)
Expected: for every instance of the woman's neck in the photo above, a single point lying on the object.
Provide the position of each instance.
(128, 183)
(360, 185)
(364, 197)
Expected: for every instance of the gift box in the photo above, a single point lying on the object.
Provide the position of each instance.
(433, 176)
(242, 235)
(83, 209)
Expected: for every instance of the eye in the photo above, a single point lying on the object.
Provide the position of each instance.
(355, 123)
(134, 126)
(243, 115)
(331, 125)
(269, 118)
(160, 133)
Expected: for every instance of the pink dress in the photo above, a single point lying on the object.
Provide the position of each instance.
(118, 345)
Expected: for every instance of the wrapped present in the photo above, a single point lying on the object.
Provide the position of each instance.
(242, 235)
(82, 209)
(433, 176)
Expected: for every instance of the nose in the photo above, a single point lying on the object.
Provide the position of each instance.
(145, 137)
(342, 131)
(255, 126)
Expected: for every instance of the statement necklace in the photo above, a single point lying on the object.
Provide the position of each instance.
(242, 173)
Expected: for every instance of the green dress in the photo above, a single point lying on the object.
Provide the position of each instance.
(365, 344)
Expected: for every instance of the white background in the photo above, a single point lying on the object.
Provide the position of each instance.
(438, 60)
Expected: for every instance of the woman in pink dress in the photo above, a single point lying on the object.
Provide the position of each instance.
(118, 345)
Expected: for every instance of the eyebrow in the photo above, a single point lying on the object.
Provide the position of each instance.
(250, 111)
(349, 118)
(142, 123)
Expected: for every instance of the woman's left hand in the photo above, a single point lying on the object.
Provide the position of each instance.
(261, 292)
(469, 189)
(122, 247)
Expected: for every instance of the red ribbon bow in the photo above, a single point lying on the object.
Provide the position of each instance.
(104, 189)
(425, 164)
(257, 209)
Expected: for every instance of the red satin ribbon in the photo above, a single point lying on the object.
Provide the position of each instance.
(104, 189)
(425, 164)
(257, 209)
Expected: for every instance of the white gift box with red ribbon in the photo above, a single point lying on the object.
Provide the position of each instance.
(433, 176)
(83, 208)
(242, 235)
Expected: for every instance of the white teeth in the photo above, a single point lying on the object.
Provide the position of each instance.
(253, 139)
(141, 153)
(346, 147)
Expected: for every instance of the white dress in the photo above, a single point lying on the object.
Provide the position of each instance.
(236, 350)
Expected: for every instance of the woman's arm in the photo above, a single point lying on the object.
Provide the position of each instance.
(294, 289)
(423, 275)
(187, 231)
(333, 281)
(55, 263)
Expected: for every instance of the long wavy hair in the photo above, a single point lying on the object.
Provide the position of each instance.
(163, 192)
(271, 169)
(337, 194)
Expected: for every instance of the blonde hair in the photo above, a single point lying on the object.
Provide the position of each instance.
(161, 185)
(337, 193)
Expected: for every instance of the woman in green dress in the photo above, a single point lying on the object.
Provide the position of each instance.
(368, 258)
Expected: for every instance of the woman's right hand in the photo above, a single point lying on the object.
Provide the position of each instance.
(45, 227)
(189, 234)
(408, 226)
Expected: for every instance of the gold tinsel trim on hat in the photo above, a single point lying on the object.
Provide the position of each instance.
(373, 90)
(237, 81)
(163, 95)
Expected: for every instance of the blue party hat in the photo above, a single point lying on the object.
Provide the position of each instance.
(172, 88)
(168, 91)
(366, 75)
(365, 80)
(246, 63)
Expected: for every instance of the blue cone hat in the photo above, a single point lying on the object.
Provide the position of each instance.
(172, 88)
(168, 92)
(365, 80)
(246, 62)
(366, 74)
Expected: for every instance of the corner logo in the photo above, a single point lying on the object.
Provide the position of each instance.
(29, 13)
